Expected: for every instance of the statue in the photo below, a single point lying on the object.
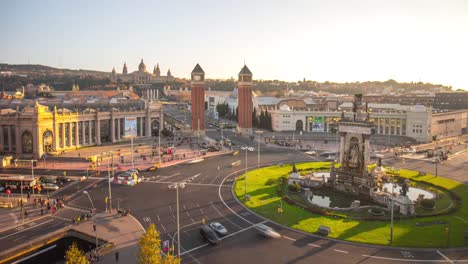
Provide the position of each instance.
(404, 188)
(356, 104)
(294, 169)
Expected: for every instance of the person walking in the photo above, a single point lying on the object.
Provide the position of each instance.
(116, 256)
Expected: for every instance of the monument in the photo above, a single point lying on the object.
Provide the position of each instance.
(198, 100)
(354, 152)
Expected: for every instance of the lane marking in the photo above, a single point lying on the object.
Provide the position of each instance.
(461, 219)
(163, 227)
(341, 251)
(175, 174)
(445, 257)
(292, 239)
(409, 260)
(12, 234)
(317, 246)
(190, 183)
(225, 216)
(14, 217)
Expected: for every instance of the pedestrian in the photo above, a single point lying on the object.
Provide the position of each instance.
(29, 195)
(42, 211)
(116, 256)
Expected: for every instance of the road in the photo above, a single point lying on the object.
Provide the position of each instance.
(208, 196)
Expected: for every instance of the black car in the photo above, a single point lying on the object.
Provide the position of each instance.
(209, 234)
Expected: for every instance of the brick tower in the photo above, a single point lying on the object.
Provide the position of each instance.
(198, 100)
(244, 118)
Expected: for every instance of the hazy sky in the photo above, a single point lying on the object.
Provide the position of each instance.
(332, 40)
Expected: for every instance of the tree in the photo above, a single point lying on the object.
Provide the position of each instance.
(150, 249)
(75, 256)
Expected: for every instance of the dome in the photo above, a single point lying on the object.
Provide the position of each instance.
(142, 66)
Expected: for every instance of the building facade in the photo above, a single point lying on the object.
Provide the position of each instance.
(34, 131)
(142, 76)
(451, 100)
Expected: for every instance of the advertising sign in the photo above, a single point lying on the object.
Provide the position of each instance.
(130, 127)
(318, 124)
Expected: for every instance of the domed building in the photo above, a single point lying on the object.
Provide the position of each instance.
(142, 77)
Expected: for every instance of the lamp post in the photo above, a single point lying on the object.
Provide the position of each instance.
(259, 132)
(246, 148)
(391, 208)
(109, 176)
(94, 216)
(177, 186)
(22, 212)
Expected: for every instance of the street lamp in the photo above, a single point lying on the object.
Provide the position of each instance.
(259, 132)
(94, 217)
(246, 148)
(109, 175)
(22, 212)
(177, 186)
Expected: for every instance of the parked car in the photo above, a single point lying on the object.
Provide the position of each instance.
(311, 153)
(152, 168)
(267, 231)
(209, 234)
(50, 186)
(63, 179)
(219, 228)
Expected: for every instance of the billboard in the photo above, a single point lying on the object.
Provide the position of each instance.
(130, 127)
(318, 124)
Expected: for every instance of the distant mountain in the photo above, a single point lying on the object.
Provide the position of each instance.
(42, 69)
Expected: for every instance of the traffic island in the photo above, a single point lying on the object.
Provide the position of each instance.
(447, 228)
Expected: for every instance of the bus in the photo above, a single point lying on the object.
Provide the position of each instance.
(15, 182)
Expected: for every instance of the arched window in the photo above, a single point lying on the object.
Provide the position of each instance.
(47, 140)
(27, 142)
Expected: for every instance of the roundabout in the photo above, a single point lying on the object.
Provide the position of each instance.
(443, 227)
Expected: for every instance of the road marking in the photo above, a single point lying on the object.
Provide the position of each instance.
(14, 217)
(191, 183)
(146, 219)
(163, 227)
(61, 218)
(175, 174)
(341, 251)
(230, 235)
(407, 254)
(292, 239)
(64, 188)
(170, 208)
(317, 246)
(26, 229)
(224, 216)
(461, 219)
(408, 260)
(445, 257)
(159, 219)
(185, 208)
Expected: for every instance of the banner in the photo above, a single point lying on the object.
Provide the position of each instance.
(318, 124)
(130, 127)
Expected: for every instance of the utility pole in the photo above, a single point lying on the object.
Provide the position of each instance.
(109, 181)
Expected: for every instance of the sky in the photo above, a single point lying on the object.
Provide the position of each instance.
(338, 41)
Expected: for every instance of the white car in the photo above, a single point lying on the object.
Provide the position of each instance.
(219, 228)
(311, 153)
(267, 231)
(49, 186)
(330, 158)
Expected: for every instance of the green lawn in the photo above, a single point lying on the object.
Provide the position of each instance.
(264, 200)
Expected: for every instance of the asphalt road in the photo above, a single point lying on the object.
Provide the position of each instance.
(208, 196)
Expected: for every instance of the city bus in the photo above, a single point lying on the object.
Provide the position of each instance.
(14, 182)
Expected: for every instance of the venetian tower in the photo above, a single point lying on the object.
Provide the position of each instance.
(125, 70)
(244, 118)
(198, 100)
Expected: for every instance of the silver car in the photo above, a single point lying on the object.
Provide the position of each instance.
(267, 231)
(219, 228)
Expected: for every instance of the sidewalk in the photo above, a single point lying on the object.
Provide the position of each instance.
(123, 232)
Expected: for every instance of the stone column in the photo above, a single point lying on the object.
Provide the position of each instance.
(98, 132)
(10, 147)
(18, 139)
(118, 128)
(90, 135)
(112, 129)
(378, 125)
(147, 93)
(1, 139)
(62, 142)
(83, 133)
(148, 125)
(141, 126)
(77, 135)
(342, 147)
(37, 149)
(70, 132)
